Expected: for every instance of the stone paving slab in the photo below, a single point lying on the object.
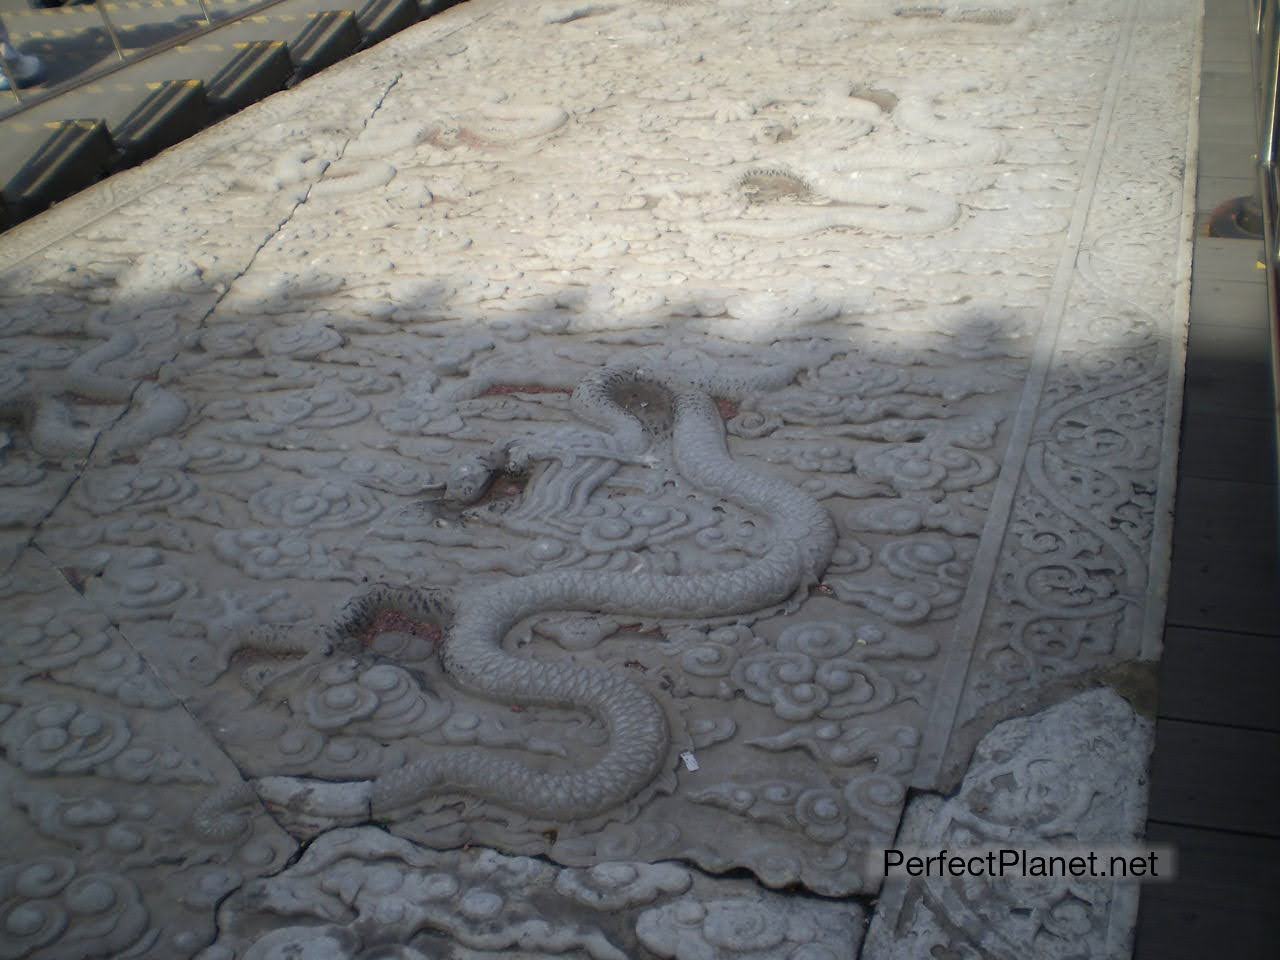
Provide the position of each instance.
(103, 769)
(650, 434)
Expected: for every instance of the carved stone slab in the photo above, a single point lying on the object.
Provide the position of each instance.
(101, 772)
(384, 421)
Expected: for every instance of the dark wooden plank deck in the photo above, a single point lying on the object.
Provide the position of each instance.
(1215, 778)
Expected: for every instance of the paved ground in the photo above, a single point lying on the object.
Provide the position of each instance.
(458, 328)
(1216, 766)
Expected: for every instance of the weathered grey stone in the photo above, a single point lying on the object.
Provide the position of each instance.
(360, 891)
(102, 773)
(1073, 775)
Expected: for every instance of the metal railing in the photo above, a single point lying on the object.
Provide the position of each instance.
(1265, 51)
(124, 55)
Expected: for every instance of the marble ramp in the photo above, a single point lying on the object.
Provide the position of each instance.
(930, 263)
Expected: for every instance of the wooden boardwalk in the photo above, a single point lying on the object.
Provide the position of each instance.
(1215, 781)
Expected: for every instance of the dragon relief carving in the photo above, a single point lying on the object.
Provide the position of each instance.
(375, 376)
(423, 707)
(636, 726)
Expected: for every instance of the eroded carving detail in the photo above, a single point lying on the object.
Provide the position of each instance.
(1071, 774)
(356, 890)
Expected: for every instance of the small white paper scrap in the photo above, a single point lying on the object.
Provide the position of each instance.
(690, 761)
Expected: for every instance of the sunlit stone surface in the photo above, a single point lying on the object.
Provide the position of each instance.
(450, 335)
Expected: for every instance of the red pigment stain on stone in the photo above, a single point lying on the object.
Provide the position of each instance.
(389, 621)
(473, 139)
(74, 577)
(728, 409)
(634, 629)
(502, 489)
(503, 389)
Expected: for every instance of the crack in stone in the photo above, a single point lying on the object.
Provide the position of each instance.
(85, 463)
(1134, 680)
(865, 903)
(201, 323)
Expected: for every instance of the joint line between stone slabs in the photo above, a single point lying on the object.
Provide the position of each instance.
(87, 463)
(178, 702)
(958, 661)
(33, 544)
(1160, 565)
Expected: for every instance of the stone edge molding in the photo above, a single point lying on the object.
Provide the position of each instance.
(1066, 413)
